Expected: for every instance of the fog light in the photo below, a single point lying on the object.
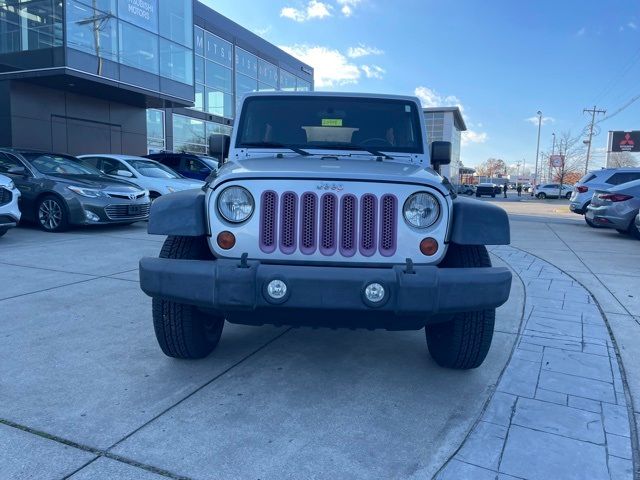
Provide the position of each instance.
(428, 246)
(374, 292)
(226, 240)
(277, 289)
(92, 217)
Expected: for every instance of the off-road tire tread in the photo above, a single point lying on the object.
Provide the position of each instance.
(463, 342)
(179, 328)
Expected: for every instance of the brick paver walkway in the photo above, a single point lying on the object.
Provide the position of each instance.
(559, 410)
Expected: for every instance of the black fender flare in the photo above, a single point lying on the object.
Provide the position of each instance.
(181, 213)
(479, 223)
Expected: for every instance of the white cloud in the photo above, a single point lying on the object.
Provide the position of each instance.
(581, 32)
(471, 136)
(632, 25)
(373, 71)
(363, 51)
(261, 32)
(314, 9)
(330, 66)
(545, 120)
(431, 98)
(348, 6)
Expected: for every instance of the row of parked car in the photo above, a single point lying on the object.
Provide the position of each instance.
(56, 191)
(609, 198)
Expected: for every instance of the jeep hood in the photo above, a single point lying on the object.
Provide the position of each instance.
(329, 168)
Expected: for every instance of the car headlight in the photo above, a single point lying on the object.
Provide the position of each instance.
(235, 204)
(421, 210)
(86, 192)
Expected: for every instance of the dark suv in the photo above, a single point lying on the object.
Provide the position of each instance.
(187, 164)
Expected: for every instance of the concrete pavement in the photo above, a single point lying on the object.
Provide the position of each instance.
(85, 392)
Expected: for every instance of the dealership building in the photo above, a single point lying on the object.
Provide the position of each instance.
(129, 76)
(446, 124)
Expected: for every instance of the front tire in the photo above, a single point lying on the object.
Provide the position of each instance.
(184, 331)
(568, 196)
(51, 214)
(463, 341)
(3, 231)
(542, 196)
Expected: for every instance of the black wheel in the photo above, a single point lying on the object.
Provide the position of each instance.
(542, 195)
(590, 223)
(51, 214)
(634, 231)
(568, 195)
(478, 195)
(622, 232)
(493, 195)
(463, 341)
(184, 331)
(153, 195)
(3, 231)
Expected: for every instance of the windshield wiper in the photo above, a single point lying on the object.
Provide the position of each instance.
(361, 148)
(297, 150)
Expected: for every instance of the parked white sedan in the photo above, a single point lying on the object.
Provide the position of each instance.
(9, 211)
(144, 172)
(552, 190)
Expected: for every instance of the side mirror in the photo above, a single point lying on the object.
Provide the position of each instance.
(219, 146)
(124, 173)
(17, 171)
(440, 153)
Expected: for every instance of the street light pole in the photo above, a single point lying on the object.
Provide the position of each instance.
(535, 175)
(593, 112)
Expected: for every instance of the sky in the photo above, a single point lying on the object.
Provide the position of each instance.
(500, 61)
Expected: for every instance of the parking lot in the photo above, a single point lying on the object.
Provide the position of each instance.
(85, 392)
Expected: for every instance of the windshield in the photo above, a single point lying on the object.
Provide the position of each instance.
(148, 168)
(330, 123)
(51, 163)
(211, 162)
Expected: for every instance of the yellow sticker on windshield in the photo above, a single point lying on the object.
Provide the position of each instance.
(331, 122)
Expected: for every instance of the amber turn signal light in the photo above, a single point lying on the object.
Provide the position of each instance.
(226, 240)
(429, 246)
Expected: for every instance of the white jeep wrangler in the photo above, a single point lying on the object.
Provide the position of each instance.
(329, 211)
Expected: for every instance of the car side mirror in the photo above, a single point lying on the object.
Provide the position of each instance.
(124, 173)
(219, 146)
(18, 171)
(440, 153)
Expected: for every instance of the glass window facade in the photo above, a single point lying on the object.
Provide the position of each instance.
(213, 74)
(191, 134)
(30, 25)
(435, 126)
(155, 130)
(91, 30)
(154, 36)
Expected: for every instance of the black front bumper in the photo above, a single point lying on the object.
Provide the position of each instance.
(323, 295)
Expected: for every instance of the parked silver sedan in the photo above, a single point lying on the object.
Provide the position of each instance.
(617, 207)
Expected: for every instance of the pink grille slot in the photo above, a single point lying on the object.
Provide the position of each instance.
(288, 207)
(268, 221)
(328, 223)
(308, 222)
(348, 225)
(388, 225)
(368, 224)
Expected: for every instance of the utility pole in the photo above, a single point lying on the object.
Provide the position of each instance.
(553, 152)
(593, 112)
(535, 175)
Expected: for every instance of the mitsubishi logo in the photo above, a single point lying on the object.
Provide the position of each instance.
(336, 187)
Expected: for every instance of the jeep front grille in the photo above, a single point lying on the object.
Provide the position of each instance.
(328, 223)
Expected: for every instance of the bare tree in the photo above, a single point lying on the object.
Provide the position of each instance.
(621, 160)
(573, 156)
(491, 167)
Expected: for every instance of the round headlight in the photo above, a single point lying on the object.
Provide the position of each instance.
(421, 210)
(235, 204)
